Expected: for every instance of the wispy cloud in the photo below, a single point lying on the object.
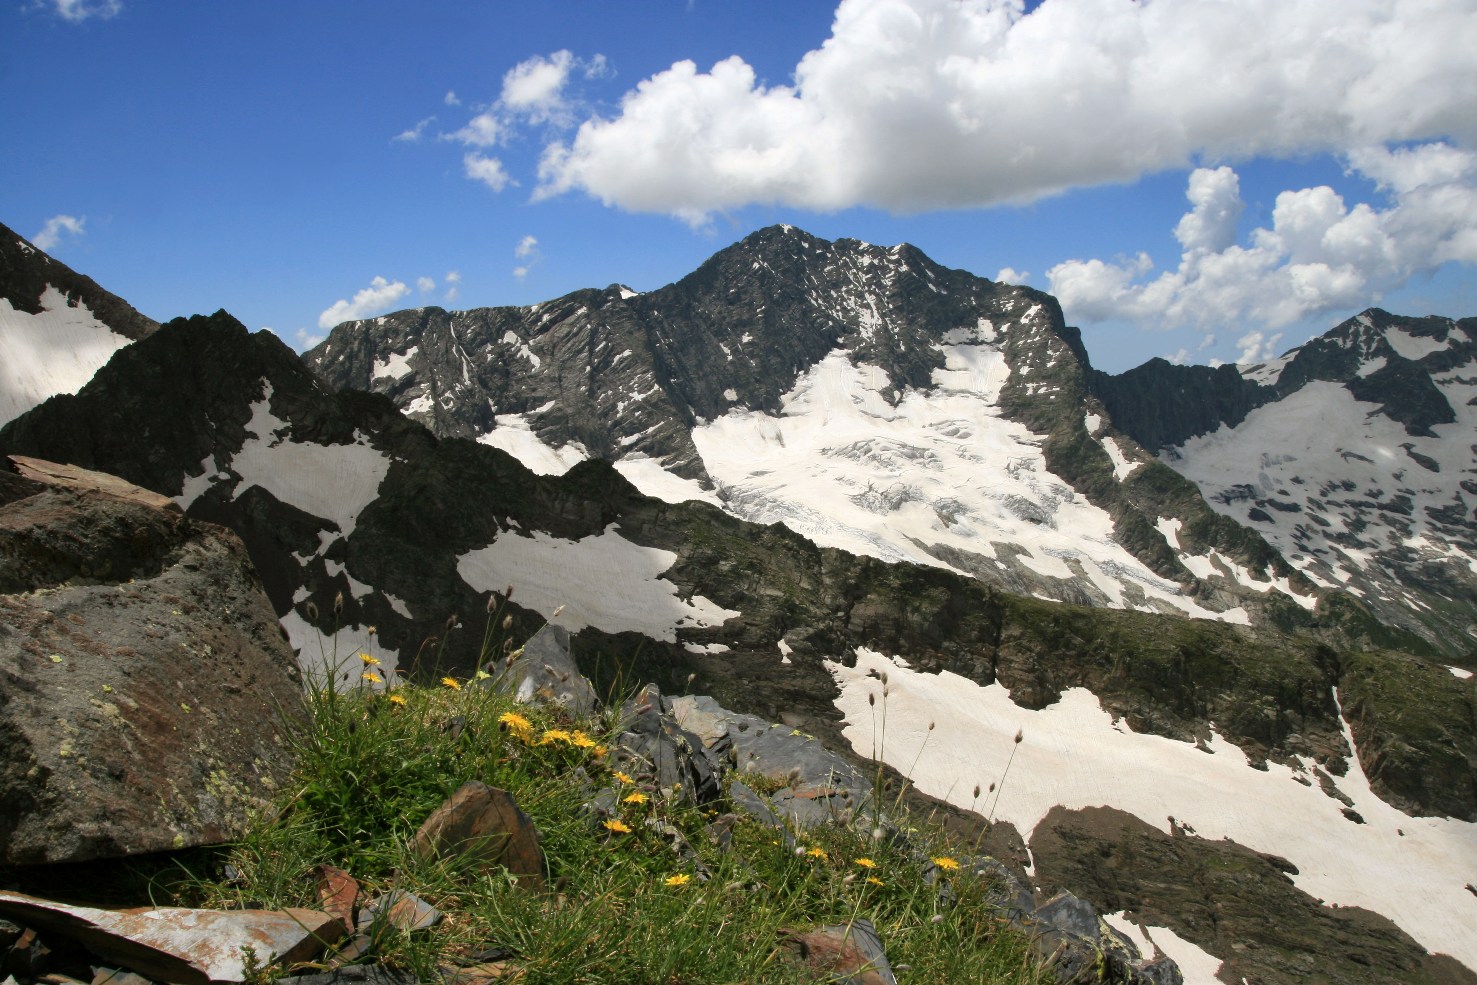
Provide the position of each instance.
(527, 251)
(414, 134)
(453, 283)
(55, 228)
(380, 295)
(77, 11)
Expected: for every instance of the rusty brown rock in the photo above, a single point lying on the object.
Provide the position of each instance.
(483, 827)
(148, 689)
(182, 946)
(338, 892)
(843, 954)
(76, 478)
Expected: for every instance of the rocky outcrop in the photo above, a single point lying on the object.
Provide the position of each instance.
(146, 685)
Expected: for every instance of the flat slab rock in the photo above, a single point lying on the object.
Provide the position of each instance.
(182, 946)
(147, 684)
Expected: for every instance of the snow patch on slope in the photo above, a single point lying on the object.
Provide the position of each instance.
(394, 366)
(333, 482)
(1198, 966)
(514, 434)
(1346, 482)
(602, 580)
(647, 475)
(1412, 870)
(55, 351)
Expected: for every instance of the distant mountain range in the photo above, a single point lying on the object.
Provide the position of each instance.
(1219, 604)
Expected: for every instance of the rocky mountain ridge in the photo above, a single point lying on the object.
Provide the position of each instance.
(976, 444)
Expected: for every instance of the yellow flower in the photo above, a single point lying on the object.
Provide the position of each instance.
(618, 826)
(866, 863)
(452, 683)
(680, 879)
(635, 797)
(946, 863)
(875, 881)
(599, 752)
(368, 660)
(517, 724)
(582, 740)
(397, 700)
(622, 777)
(372, 678)
(816, 851)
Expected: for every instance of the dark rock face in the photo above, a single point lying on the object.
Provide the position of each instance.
(145, 680)
(1220, 894)
(1161, 404)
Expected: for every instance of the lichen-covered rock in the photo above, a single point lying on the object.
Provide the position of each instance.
(144, 683)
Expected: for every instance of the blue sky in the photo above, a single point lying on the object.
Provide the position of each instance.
(1196, 179)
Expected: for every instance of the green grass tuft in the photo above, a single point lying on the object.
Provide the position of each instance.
(621, 907)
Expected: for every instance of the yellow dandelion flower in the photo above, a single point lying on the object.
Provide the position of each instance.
(398, 700)
(555, 735)
(372, 678)
(599, 752)
(368, 660)
(875, 881)
(680, 879)
(516, 724)
(582, 740)
(866, 863)
(618, 826)
(946, 863)
(635, 797)
(816, 851)
(452, 683)
(622, 777)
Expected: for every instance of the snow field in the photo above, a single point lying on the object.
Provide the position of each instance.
(602, 580)
(1073, 753)
(843, 467)
(55, 351)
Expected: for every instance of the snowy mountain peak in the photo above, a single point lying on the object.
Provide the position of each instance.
(862, 395)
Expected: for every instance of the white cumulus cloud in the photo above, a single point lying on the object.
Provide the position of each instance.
(425, 284)
(488, 170)
(380, 295)
(535, 87)
(54, 228)
(928, 104)
(453, 285)
(1319, 254)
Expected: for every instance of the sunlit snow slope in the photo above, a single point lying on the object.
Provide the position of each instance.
(55, 351)
(941, 468)
(949, 734)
